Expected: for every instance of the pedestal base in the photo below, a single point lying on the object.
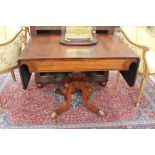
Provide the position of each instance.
(76, 83)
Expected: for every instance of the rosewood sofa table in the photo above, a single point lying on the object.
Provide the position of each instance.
(45, 54)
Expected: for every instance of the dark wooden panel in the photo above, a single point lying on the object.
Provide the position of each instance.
(34, 29)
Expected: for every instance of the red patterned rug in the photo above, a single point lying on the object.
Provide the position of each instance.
(32, 108)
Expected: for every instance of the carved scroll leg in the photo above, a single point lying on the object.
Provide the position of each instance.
(67, 94)
(89, 105)
(13, 75)
(140, 91)
(117, 80)
(93, 108)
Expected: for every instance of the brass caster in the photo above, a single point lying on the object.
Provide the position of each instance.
(54, 115)
(101, 113)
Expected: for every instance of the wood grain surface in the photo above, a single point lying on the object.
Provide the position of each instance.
(48, 47)
(44, 53)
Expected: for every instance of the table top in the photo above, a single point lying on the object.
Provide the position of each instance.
(48, 47)
(45, 54)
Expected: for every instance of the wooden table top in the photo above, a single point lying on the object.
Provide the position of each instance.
(45, 54)
(48, 47)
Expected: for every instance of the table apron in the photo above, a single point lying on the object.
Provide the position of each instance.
(77, 65)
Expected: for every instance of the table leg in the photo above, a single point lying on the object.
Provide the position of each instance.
(91, 107)
(67, 93)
